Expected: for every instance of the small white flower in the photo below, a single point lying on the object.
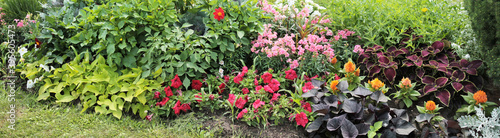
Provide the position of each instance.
(310, 8)
(30, 84)
(221, 62)
(455, 45)
(467, 56)
(316, 13)
(221, 72)
(22, 51)
(45, 67)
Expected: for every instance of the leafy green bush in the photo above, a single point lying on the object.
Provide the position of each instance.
(485, 17)
(96, 85)
(384, 22)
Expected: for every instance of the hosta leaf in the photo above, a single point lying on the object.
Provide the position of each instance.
(443, 96)
(349, 130)
(314, 126)
(334, 123)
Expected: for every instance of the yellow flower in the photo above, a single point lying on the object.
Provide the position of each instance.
(121, 39)
(430, 105)
(334, 60)
(349, 66)
(480, 97)
(333, 85)
(405, 83)
(376, 84)
(357, 72)
(424, 9)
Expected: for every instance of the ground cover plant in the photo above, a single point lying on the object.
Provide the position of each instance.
(245, 68)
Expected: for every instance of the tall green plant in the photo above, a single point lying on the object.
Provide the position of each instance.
(17, 9)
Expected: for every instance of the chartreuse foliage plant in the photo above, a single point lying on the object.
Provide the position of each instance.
(384, 22)
(98, 86)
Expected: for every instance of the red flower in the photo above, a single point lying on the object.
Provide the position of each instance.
(338, 102)
(245, 90)
(196, 84)
(290, 74)
(308, 86)
(37, 43)
(149, 117)
(275, 97)
(198, 97)
(267, 77)
(226, 79)
(211, 97)
(337, 77)
(242, 113)
(176, 82)
(177, 108)
(258, 88)
(258, 103)
(185, 107)
(238, 78)
(255, 82)
(267, 88)
(309, 79)
(275, 85)
(307, 106)
(157, 95)
(240, 103)
(231, 99)
(221, 87)
(168, 91)
(219, 14)
(245, 70)
(301, 119)
(256, 110)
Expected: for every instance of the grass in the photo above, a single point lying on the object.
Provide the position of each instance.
(49, 119)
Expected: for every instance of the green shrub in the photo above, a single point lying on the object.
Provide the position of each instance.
(384, 22)
(17, 9)
(485, 17)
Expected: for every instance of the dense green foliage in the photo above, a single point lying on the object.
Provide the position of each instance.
(17, 9)
(485, 17)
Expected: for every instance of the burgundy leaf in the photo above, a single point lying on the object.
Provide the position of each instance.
(380, 54)
(464, 63)
(397, 53)
(419, 62)
(405, 50)
(475, 64)
(377, 47)
(434, 63)
(390, 74)
(393, 64)
(472, 71)
(412, 58)
(420, 72)
(391, 49)
(428, 89)
(469, 86)
(363, 57)
(443, 96)
(438, 45)
(374, 70)
(443, 58)
(458, 76)
(449, 72)
(428, 80)
(425, 53)
(442, 69)
(457, 86)
(408, 63)
(441, 81)
(383, 60)
(369, 64)
(454, 64)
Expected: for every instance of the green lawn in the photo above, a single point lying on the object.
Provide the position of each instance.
(49, 119)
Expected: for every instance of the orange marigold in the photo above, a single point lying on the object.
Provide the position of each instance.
(333, 85)
(334, 60)
(405, 83)
(376, 84)
(480, 97)
(349, 66)
(357, 72)
(430, 105)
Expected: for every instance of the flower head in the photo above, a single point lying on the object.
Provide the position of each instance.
(196, 84)
(240, 103)
(20, 24)
(231, 99)
(157, 95)
(430, 105)
(357, 72)
(22, 51)
(308, 86)
(334, 60)
(257, 103)
(177, 107)
(424, 9)
(333, 85)
(307, 106)
(242, 113)
(301, 119)
(176, 82)
(219, 14)
(275, 85)
(349, 67)
(244, 70)
(267, 77)
(238, 78)
(168, 91)
(163, 102)
(211, 97)
(275, 97)
(221, 87)
(290, 74)
(245, 90)
(480, 97)
(376, 83)
(405, 83)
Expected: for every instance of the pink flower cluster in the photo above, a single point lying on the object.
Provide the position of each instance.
(358, 49)
(344, 34)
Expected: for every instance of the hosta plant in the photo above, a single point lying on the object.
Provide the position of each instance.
(351, 113)
(436, 66)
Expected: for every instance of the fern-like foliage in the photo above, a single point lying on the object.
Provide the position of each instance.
(482, 126)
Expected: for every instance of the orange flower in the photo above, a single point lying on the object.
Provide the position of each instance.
(376, 84)
(334, 60)
(349, 67)
(480, 97)
(357, 72)
(333, 85)
(405, 83)
(430, 105)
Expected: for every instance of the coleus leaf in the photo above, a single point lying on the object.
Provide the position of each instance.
(349, 130)
(334, 123)
(406, 51)
(390, 74)
(391, 49)
(469, 86)
(457, 86)
(408, 63)
(428, 80)
(420, 72)
(314, 126)
(458, 76)
(425, 53)
(374, 70)
(428, 89)
(363, 58)
(443, 96)
(438, 46)
(443, 58)
(383, 60)
(413, 58)
(441, 81)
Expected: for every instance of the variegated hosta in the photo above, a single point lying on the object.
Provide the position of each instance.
(440, 70)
